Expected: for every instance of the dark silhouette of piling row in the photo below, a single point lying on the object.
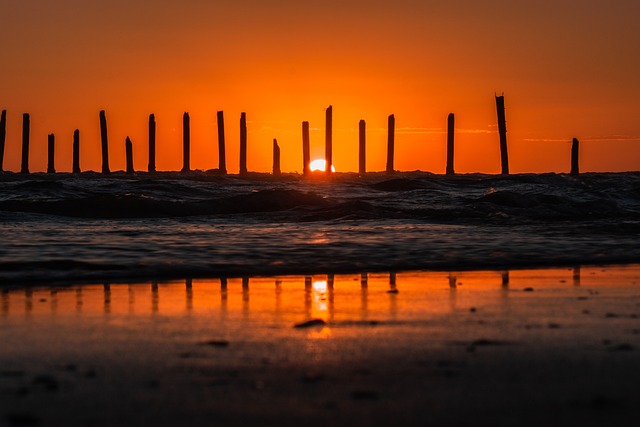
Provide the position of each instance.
(25, 143)
(306, 154)
(502, 130)
(129, 151)
(243, 143)
(222, 157)
(575, 150)
(3, 136)
(186, 143)
(152, 143)
(76, 151)
(276, 158)
(450, 134)
(391, 130)
(329, 140)
(105, 143)
(51, 148)
(362, 145)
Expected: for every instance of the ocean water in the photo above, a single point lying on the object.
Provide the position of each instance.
(89, 227)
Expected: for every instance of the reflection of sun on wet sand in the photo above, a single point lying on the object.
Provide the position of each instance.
(525, 347)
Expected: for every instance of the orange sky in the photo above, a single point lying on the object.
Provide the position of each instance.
(567, 69)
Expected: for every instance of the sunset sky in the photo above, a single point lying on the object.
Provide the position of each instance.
(568, 68)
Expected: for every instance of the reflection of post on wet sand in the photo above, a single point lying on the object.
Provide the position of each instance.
(453, 281)
(576, 275)
(189, 293)
(132, 299)
(278, 289)
(245, 295)
(224, 297)
(364, 280)
(308, 296)
(79, 299)
(154, 297)
(107, 298)
(505, 279)
(330, 280)
(54, 301)
(393, 296)
(364, 297)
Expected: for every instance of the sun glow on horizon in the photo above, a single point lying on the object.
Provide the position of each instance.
(320, 165)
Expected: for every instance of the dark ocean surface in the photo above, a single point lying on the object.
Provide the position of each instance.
(87, 227)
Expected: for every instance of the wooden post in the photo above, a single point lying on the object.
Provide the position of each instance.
(390, 142)
(25, 143)
(450, 135)
(129, 151)
(105, 143)
(76, 151)
(152, 143)
(186, 143)
(329, 140)
(362, 164)
(51, 147)
(276, 158)
(3, 135)
(306, 155)
(222, 161)
(502, 129)
(575, 149)
(243, 143)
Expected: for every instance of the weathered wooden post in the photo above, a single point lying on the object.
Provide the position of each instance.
(502, 129)
(3, 135)
(390, 142)
(362, 164)
(276, 158)
(129, 151)
(222, 161)
(25, 143)
(152, 143)
(243, 143)
(51, 147)
(105, 143)
(575, 150)
(451, 119)
(329, 140)
(186, 143)
(76, 151)
(306, 154)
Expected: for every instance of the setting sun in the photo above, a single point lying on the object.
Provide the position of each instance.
(320, 165)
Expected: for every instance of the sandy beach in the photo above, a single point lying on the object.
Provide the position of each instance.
(522, 347)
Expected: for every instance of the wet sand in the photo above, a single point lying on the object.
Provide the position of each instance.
(526, 347)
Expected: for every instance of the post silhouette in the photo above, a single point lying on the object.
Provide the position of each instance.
(222, 161)
(51, 147)
(243, 143)
(152, 143)
(186, 143)
(306, 155)
(25, 143)
(276, 158)
(575, 150)
(129, 151)
(76, 151)
(3, 136)
(450, 135)
(105, 142)
(329, 140)
(390, 142)
(502, 129)
(362, 143)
